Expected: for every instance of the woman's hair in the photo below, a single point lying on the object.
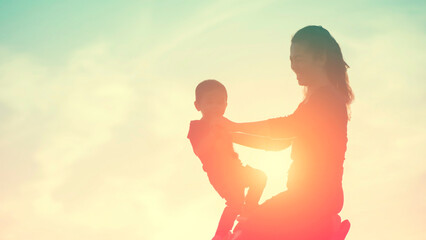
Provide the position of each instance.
(319, 41)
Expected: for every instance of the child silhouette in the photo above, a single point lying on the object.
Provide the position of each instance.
(212, 143)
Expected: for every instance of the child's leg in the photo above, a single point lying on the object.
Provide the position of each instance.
(256, 182)
(234, 204)
(227, 220)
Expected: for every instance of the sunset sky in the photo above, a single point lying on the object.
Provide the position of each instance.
(96, 99)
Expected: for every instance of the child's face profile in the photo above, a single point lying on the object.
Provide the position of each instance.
(212, 104)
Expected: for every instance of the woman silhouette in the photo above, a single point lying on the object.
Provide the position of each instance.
(314, 194)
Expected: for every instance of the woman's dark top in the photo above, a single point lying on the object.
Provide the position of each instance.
(319, 127)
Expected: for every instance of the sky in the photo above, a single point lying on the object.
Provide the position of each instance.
(96, 99)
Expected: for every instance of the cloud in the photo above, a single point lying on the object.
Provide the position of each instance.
(93, 149)
(200, 22)
(56, 119)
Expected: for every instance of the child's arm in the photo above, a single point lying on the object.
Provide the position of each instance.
(259, 142)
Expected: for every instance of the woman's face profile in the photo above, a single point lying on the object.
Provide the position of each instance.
(304, 64)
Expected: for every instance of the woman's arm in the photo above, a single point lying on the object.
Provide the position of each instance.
(259, 142)
(260, 128)
(282, 127)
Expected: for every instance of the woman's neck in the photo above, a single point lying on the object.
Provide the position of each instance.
(321, 82)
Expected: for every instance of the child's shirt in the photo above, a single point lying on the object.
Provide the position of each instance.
(213, 146)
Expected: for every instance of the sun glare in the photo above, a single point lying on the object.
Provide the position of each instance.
(274, 164)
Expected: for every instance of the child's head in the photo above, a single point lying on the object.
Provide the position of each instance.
(211, 98)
